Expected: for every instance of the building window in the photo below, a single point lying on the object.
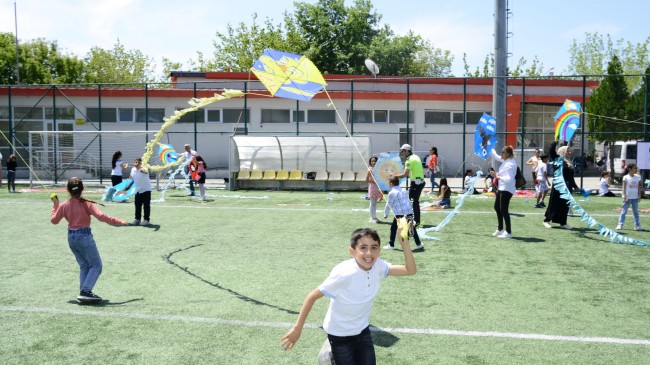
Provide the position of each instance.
(362, 116)
(191, 117)
(399, 116)
(301, 113)
(125, 114)
(472, 117)
(109, 115)
(380, 116)
(214, 116)
(539, 120)
(276, 116)
(321, 116)
(62, 113)
(436, 117)
(28, 113)
(234, 115)
(155, 115)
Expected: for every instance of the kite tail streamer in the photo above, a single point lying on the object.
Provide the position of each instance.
(614, 237)
(422, 232)
(195, 104)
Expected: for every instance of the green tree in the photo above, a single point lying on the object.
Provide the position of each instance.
(606, 108)
(636, 106)
(118, 65)
(536, 68)
(41, 62)
(592, 56)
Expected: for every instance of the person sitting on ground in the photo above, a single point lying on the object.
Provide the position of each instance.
(443, 199)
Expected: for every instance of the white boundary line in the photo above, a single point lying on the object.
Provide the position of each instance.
(232, 322)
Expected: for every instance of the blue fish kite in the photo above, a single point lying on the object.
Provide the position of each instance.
(485, 136)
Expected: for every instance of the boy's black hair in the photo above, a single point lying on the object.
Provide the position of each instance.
(363, 232)
(394, 181)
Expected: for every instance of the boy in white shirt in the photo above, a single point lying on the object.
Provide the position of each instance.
(541, 181)
(140, 176)
(352, 286)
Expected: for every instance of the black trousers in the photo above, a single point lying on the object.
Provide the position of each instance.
(142, 199)
(415, 190)
(501, 205)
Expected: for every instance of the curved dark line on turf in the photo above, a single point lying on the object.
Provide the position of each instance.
(217, 285)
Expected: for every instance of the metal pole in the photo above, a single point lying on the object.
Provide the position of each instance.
(54, 129)
(523, 120)
(17, 62)
(297, 118)
(245, 108)
(464, 119)
(408, 120)
(351, 115)
(196, 113)
(500, 68)
(645, 109)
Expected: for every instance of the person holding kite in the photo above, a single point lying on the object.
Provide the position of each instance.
(413, 168)
(505, 189)
(77, 211)
(140, 177)
(352, 287)
(558, 208)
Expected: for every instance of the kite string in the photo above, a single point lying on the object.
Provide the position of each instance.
(354, 142)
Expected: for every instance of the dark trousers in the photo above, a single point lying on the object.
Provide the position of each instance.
(116, 179)
(187, 172)
(393, 232)
(353, 350)
(415, 190)
(11, 180)
(501, 205)
(142, 199)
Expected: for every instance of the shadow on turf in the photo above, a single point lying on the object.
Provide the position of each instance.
(382, 338)
(169, 260)
(105, 302)
(155, 227)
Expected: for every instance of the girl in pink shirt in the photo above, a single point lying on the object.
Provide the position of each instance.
(77, 212)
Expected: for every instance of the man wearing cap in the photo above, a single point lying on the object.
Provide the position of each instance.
(413, 168)
(189, 154)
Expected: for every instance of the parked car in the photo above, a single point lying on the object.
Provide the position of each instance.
(622, 153)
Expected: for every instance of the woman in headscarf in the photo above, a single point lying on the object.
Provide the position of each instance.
(558, 208)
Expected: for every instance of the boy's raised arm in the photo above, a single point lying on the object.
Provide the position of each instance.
(409, 267)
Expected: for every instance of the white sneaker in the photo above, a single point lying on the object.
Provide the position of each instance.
(389, 247)
(505, 235)
(566, 226)
(135, 222)
(619, 227)
(419, 247)
(638, 228)
(547, 225)
(497, 233)
(373, 220)
(144, 223)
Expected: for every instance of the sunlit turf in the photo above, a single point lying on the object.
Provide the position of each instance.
(220, 282)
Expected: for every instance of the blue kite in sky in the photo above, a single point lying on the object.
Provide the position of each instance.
(485, 136)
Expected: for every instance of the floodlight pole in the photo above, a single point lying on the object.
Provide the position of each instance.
(17, 63)
(500, 69)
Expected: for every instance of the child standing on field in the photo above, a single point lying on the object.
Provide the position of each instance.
(631, 193)
(77, 212)
(201, 169)
(374, 193)
(352, 287)
(11, 173)
(541, 180)
(140, 176)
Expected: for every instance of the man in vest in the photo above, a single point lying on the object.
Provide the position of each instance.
(413, 168)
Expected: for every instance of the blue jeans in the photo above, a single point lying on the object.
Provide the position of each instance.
(432, 176)
(82, 244)
(353, 350)
(635, 211)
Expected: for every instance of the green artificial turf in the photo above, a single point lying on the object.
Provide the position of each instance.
(220, 282)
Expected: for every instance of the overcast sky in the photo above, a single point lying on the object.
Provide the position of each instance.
(178, 29)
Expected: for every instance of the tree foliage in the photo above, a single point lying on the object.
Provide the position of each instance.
(536, 68)
(41, 62)
(118, 65)
(592, 56)
(608, 107)
(336, 38)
